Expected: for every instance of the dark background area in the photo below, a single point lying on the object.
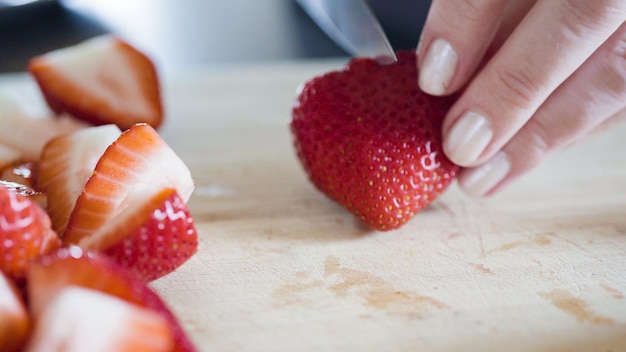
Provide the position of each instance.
(190, 33)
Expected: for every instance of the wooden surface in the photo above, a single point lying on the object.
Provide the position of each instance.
(539, 267)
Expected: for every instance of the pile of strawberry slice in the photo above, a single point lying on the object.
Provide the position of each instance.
(93, 207)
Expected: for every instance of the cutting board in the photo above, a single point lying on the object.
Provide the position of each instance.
(538, 267)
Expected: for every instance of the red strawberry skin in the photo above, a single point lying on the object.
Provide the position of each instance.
(369, 139)
(14, 320)
(102, 80)
(72, 266)
(165, 240)
(25, 233)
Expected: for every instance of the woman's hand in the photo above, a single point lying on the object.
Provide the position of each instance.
(551, 71)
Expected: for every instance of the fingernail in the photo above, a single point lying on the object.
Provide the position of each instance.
(479, 181)
(468, 138)
(438, 67)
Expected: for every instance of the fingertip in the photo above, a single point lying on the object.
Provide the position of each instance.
(467, 139)
(481, 180)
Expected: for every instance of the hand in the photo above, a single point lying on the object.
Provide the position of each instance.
(551, 72)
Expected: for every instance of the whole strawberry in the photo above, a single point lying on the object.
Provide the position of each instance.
(371, 140)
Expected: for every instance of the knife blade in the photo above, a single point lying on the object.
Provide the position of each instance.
(352, 25)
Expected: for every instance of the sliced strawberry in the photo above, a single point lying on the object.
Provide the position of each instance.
(102, 80)
(79, 319)
(26, 134)
(66, 164)
(25, 232)
(369, 139)
(14, 320)
(131, 172)
(23, 173)
(73, 266)
(22, 177)
(164, 241)
(25, 191)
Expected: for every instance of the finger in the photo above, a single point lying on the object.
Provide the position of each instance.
(593, 98)
(513, 14)
(615, 120)
(455, 37)
(550, 43)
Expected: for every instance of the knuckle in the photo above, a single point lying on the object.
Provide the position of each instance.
(584, 18)
(614, 75)
(471, 10)
(535, 142)
(542, 138)
(516, 87)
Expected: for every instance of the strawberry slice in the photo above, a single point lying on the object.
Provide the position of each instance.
(78, 319)
(66, 164)
(14, 320)
(369, 139)
(166, 239)
(25, 191)
(132, 171)
(21, 177)
(103, 80)
(25, 232)
(22, 173)
(72, 266)
(23, 134)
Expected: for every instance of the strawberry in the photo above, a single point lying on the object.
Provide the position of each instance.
(25, 191)
(165, 240)
(22, 177)
(72, 266)
(79, 319)
(369, 139)
(14, 320)
(66, 163)
(103, 80)
(23, 134)
(25, 232)
(22, 173)
(131, 182)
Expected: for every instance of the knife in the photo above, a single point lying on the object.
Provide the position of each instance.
(352, 25)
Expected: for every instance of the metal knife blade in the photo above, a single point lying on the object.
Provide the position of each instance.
(353, 26)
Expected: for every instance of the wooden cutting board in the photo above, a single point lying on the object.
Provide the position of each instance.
(539, 267)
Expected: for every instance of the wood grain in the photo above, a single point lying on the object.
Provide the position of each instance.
(539, 267)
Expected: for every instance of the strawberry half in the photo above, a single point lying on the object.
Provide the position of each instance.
(14, 320)
(72, 266)
(79, 319)
(24, 134)
(102, 80)
(137, 175)
(164, 241)
(25, 232)
(371, 140)
(66, 164)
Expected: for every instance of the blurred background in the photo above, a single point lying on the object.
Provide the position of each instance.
(181, 34)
